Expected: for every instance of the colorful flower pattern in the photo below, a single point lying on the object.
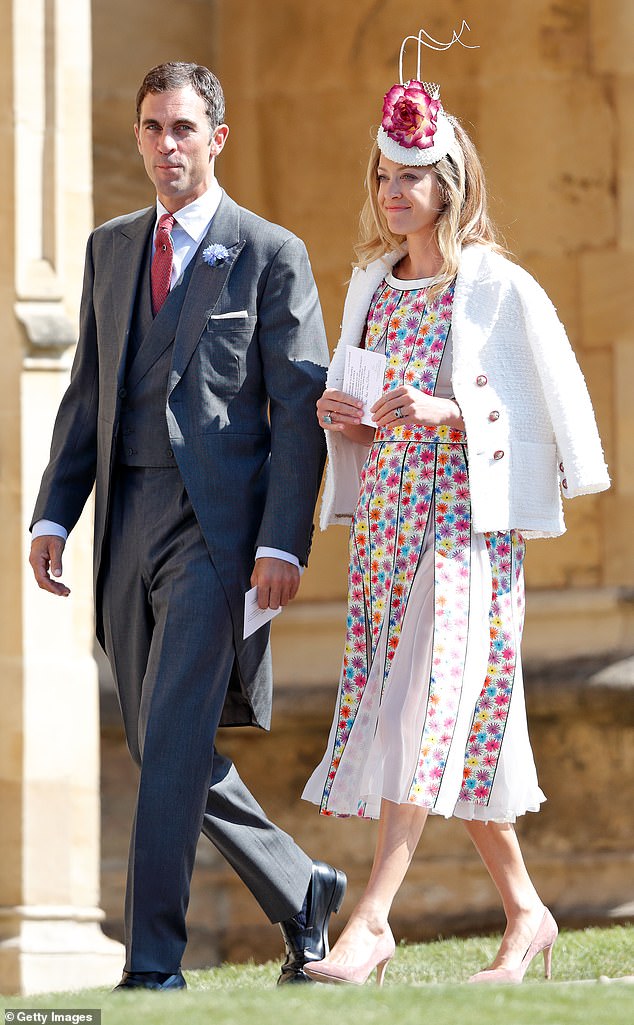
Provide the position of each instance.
(415, 479)
(506, 555)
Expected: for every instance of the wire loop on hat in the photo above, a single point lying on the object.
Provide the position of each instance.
(433, 44)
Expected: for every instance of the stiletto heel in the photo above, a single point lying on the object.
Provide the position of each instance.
(380, 971)
(543, 940)
(355, 975)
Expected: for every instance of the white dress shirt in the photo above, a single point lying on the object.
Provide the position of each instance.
(190, 227)
(191, 224)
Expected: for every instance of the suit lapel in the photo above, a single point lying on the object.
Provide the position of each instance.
(206, 284)
(128, 249)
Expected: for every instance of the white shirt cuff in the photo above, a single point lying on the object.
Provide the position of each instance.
(276, 553)
(49, 527)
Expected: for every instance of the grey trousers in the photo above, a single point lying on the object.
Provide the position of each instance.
(162, 600)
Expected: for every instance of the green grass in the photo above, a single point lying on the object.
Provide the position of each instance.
(422, 987)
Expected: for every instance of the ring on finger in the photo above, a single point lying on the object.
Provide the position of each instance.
(398, 413)
(327, 418)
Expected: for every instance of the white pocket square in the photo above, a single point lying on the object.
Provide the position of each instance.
(238, 315)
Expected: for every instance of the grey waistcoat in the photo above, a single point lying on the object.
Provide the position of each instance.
(143, 436)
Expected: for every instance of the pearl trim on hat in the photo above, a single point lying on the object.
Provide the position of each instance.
(414, 157)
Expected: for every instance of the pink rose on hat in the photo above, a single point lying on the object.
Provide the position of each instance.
(409, 115)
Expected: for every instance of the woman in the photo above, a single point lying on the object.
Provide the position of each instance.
(484, 415)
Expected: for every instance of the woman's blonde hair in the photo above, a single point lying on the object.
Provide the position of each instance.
(464, 218)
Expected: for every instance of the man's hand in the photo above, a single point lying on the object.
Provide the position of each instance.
(277, 582)
(46, 558)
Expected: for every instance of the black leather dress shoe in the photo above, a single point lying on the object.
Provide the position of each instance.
(306, 935)
(151, 980)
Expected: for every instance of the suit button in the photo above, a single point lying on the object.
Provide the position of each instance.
(499, 454)
(131, 451)
(170, 454)
(481, 380)
(564, 483)
(494, 415)
(561, 467)
(122, 393)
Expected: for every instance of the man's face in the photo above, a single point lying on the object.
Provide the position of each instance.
(177, 145)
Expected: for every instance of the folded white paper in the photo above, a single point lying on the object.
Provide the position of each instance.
(363, 378)
(254, 616)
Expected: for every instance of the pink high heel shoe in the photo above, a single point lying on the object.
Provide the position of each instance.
(543, 941)
(355, 975)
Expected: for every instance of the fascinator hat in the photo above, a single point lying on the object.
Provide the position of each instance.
(414, 128)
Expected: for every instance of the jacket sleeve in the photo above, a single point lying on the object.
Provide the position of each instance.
(70, 474)
(580, 455)
(345, 457)
(294, 354)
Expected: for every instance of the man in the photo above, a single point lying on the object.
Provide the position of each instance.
(191, 408)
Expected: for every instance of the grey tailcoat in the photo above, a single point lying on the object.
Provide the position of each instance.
(240, 408)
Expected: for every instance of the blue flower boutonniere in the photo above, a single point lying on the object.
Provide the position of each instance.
(215, 254)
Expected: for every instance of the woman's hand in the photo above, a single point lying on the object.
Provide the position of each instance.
(407, 406)
(337, 411)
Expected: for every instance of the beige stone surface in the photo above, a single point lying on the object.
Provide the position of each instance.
(558, 274)
(612, 36)
(120, 59)
(571, 560)
(624, 454)
(606, 283)
(624, 102)
(598, 367)
(577, 622)
(618, 557)
(554, 185)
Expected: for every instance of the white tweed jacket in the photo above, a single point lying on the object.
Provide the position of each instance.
(530, 427)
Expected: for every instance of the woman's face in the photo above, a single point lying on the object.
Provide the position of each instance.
(409, 197)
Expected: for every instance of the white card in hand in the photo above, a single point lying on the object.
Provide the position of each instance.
(254, 616)
(363, 378)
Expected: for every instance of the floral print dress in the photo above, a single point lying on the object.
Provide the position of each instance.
(430, 708)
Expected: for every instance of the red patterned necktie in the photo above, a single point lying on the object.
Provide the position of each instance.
(162, 262)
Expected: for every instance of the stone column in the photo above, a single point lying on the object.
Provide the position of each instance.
(50, 936)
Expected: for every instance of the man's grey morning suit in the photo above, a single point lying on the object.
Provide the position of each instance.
(197, 429)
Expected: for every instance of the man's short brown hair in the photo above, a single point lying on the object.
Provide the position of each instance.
(179, 74)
